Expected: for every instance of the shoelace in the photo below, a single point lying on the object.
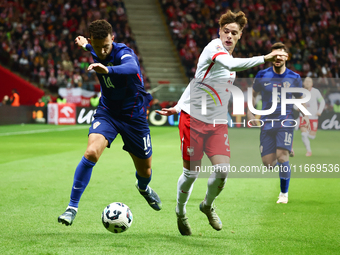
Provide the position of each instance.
(213, 214)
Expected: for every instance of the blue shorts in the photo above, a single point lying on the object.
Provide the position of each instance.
(135, 132)
(274, 138)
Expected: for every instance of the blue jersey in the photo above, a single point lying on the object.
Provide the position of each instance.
(122, 89)
(266, 80)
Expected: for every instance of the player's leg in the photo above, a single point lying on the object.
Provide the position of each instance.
(143, 175)
(269, 160)
(284, 140)
(217, 149)
(218, 178)
(216, 183)
(185, 186)
(284, 174)
(95, 147)
(312, 133)
(268, 148)
(305, 140)
(137, 141)
(101, 134)
(192, 153)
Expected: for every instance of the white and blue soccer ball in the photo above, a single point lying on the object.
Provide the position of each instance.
(117, 217)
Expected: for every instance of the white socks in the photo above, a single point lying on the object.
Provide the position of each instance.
(306, 141)
(311, 136)
(71, 207)
(184, 187)
(284, 194)
(216, 183)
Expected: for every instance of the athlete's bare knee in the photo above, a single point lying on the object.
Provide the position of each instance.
(282, 159)
(269, 164)
(144, 171)
(92, 154)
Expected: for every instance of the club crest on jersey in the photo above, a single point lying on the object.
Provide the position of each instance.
(286, 84)
(96, 124)
(190, 151)
(219, 48)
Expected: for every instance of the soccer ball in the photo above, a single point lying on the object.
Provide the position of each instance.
(117, 217)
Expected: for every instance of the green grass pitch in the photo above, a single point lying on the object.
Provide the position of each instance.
(37, 164)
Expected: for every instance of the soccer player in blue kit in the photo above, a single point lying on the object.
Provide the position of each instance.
(122, 109)
(276, 138)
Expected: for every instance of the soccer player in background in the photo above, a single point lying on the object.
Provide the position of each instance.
(276, 139)
(315, 106)
(122, 109)
(216, 69)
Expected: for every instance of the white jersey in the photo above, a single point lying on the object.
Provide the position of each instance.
(206, 98)
(316, 104)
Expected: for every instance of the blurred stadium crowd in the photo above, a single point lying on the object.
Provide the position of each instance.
(309, 28)
(37, 37)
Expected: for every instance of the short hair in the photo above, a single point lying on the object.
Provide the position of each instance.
(231, 17)
(278, 46)
(100, 29)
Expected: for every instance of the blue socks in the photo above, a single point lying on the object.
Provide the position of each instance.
(285, 172)
(142, 181)
(82, 177)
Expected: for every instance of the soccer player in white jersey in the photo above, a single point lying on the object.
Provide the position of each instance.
(315, 106)
(215, 67)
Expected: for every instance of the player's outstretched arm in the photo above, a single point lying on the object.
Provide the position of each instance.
(167, 111)
(275, 53)
(80, 41)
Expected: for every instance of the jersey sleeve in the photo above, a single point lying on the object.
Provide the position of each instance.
(181, 102)
(88, 47)
(217, 54)
(321, 101)
(128, 64)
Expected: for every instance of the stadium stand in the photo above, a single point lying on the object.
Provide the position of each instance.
(309, 28)
(37, 37)
(37, 40)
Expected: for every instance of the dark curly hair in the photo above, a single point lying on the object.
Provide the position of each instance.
(231, 17)
(100, 29)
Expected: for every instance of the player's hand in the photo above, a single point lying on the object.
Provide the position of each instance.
(272, 56)
(167, 111)
(305, 123)
(251, 116)
(99, 68)
(80, 40)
